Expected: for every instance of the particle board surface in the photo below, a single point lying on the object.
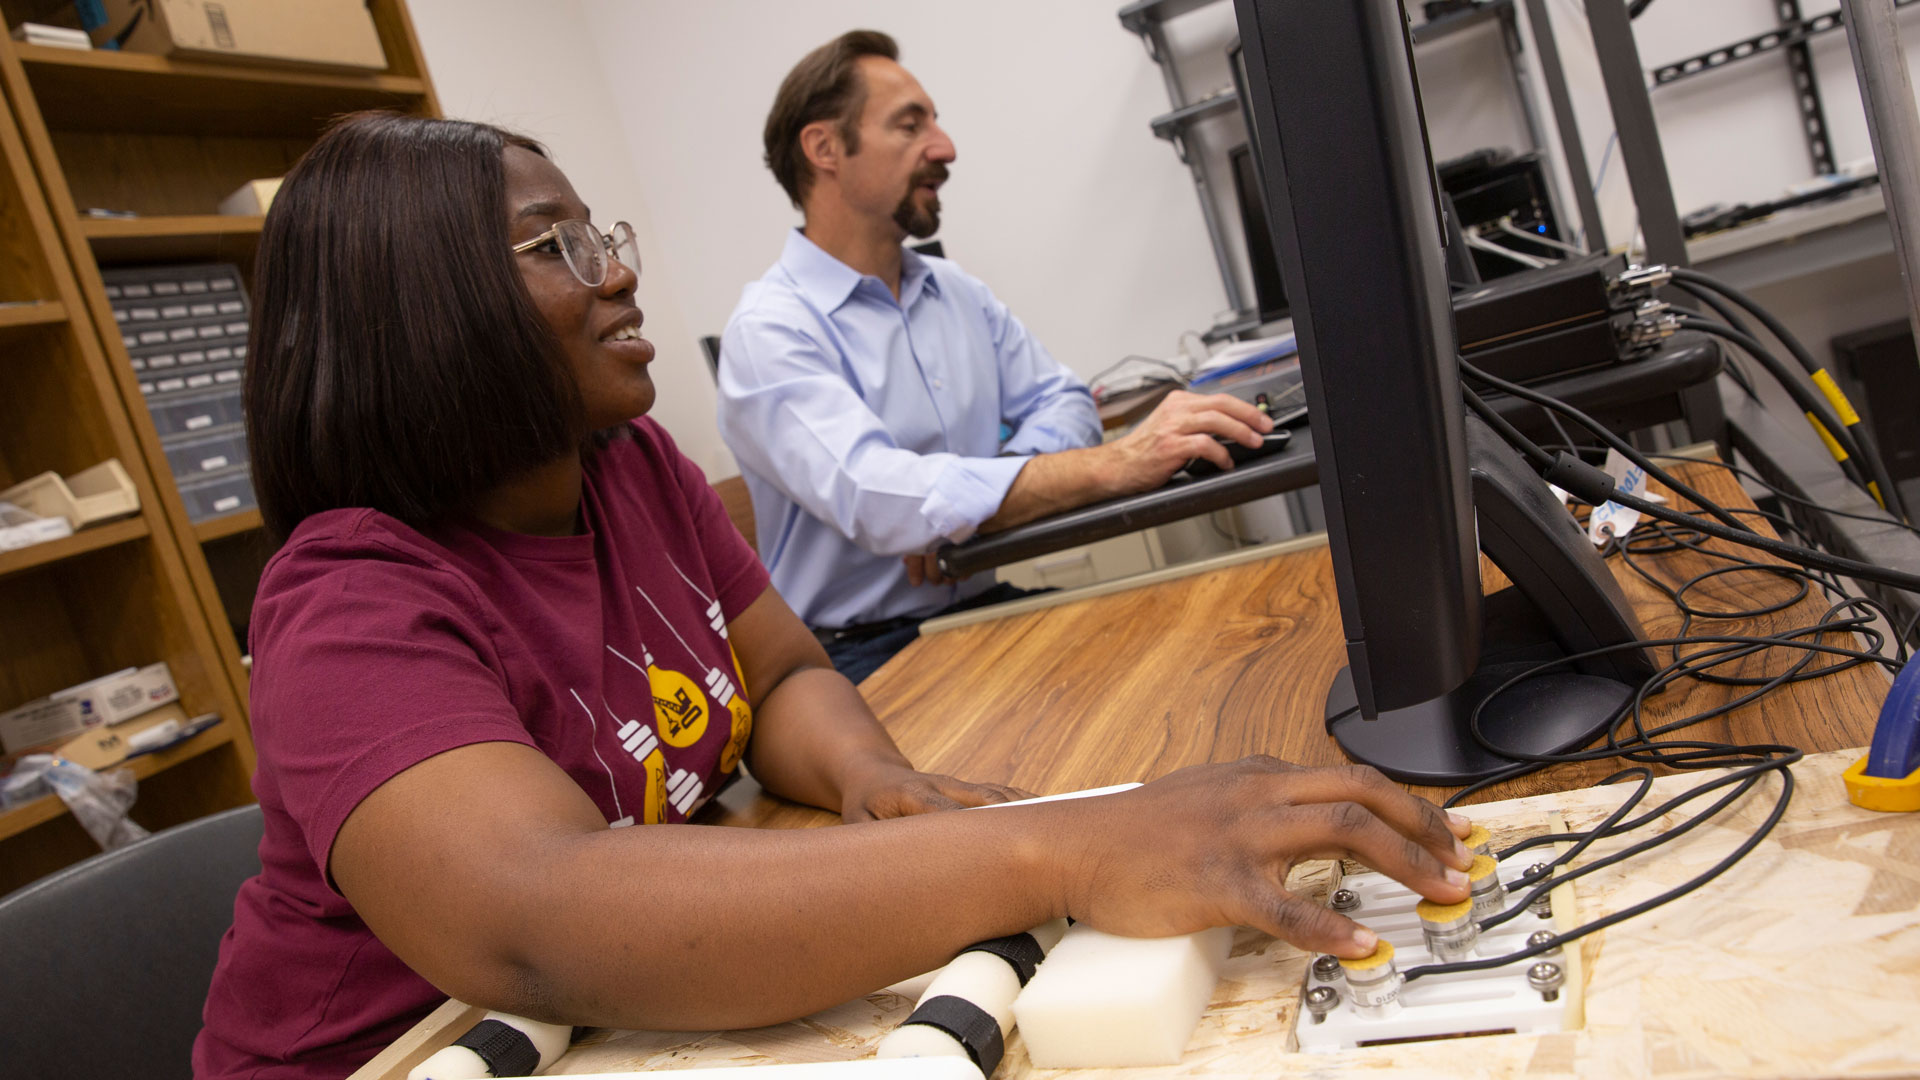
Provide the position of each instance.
(1803, 960)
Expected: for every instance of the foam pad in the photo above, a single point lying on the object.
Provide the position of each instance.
(1102, 1000)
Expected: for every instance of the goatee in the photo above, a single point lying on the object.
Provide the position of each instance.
(917, 222)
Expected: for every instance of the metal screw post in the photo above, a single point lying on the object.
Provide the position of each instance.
(1541, 937)
(1344, 900)
(1546, 978)
(1326, 967)
(1538, 874)
(1321, 1001)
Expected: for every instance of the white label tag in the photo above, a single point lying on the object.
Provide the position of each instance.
(198, 422)
(231, 502)
(1611, 519)
(218, 461)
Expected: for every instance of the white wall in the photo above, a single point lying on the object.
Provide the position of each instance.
(1731, 135)
(492, 60)
(1061, 199)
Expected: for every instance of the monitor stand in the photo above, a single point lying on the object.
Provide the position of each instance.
(1563, 600)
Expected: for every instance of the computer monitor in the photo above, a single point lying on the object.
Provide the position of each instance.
(1413, 490)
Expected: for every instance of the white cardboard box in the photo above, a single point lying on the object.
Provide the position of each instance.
(122, 695)
(45, 722)
(253, 197)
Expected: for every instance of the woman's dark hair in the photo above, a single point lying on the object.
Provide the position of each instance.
(824, 85)
(397, 361)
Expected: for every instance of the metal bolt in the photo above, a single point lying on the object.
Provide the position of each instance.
(1546, 978)
(1538, 874)
(1344, 900)
(1541, 937)
(1321, 1001)
(1326, 967)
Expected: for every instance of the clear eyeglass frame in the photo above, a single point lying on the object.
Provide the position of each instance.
(587, 250)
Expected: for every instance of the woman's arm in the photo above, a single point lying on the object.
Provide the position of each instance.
(490, 873)
(814, 738)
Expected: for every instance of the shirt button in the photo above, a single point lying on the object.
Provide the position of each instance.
(939, 385)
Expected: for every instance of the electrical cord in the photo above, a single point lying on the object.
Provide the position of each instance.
(1551, 405)
(1558, 941)
(1507, 226)
(1481, 243)
(1837, 438)
(1696, 282)
(1593, 486)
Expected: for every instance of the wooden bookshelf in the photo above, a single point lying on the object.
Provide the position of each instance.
(222, 527)
(32, 313)
(23, 559)
(164, 141)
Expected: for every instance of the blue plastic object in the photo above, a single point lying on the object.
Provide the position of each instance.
(1896, 738)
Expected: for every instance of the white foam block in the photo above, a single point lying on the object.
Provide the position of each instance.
(1101, 1000)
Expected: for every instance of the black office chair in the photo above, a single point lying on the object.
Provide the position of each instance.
(710, 348)
(105, 965)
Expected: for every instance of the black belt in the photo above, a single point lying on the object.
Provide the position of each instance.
(830, 636)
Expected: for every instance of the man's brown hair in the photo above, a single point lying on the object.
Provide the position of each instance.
(824, 85)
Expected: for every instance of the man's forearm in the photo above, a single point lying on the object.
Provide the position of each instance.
(1051, 483)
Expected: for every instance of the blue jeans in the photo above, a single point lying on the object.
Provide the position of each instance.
(860, 656)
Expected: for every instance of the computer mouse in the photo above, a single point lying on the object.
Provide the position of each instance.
(1271, 444)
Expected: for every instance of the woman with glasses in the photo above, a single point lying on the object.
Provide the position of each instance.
(510, 630)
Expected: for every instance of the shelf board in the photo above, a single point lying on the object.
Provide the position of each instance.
(190, 236)
(32, 313)
(119, 91)
(47, 807)
(231, 525)
(90, 539)
(1138, 16)
(1448, 25)
(1171, 125)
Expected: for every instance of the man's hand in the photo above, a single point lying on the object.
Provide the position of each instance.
(925, 569)
(891, 791)
(1179, 429)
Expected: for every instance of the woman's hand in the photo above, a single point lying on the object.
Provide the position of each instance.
(893, 789)
(1212, 845)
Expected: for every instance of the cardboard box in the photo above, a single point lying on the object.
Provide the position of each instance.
(122, 695)
(45, 722)
(254, 197)
(307, 33)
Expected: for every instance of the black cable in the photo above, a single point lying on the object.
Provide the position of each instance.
(1889, 497)
(1626, 449)
(1537, 888)
(1735, 531)
(1780, 493)
(1560, 940)
(1853, 461)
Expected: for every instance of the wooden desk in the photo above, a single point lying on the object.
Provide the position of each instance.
(1211, 667)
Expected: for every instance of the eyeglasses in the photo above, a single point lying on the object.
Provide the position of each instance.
(587, 249)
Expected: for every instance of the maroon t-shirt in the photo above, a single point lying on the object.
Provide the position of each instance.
(377, 646)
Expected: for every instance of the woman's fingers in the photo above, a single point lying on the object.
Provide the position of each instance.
(1409, 815)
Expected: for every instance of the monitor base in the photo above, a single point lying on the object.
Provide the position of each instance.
(1429, 743)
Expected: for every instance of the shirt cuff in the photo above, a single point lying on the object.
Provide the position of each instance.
(1042, 437)
(967, 492)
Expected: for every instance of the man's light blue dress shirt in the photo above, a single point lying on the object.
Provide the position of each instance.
(869, 428)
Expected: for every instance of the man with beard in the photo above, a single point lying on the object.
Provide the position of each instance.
(882, 402)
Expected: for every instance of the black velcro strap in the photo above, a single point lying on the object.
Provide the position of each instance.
(505, 1049)
(975, 1028)
(1020, 951)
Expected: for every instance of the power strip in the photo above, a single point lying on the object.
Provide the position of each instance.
(1496, 1001)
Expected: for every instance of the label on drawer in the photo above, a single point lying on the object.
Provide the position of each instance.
(217, 461)
(230, 502)
(198, 422)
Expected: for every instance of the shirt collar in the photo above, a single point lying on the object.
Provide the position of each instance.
(828, 282)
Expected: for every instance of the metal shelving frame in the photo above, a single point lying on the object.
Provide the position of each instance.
(1148, 18)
